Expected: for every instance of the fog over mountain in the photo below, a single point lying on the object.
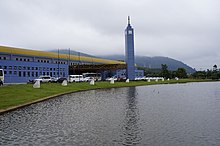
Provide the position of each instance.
(155, 62)
(143, 61)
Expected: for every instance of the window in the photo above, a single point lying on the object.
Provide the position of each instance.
(36, 68)
(24, 59)
(4, 58)
(17, 59)
(15, 72)
(24, 68)
(15, 67)
(32, 68)
(5, 72)
(28, 68)
(47, 61)
(28, 59)
(0, 58)
(10, 67)
(32, 74)
(28, 74)
(5, 67)
(36, 74)
(24, 74)
(10, 72)
(19, 67)
(20, 59)
(19, 73)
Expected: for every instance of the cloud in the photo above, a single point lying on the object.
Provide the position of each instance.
(187, 30)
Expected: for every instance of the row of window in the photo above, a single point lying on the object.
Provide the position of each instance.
(28, 60)
(34, 74)
(22, 59)
(30, 68)
(2, 58)
(39, 60)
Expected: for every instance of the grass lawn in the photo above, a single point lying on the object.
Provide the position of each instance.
(16, 95)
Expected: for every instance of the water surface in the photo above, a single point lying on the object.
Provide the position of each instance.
(177, 114)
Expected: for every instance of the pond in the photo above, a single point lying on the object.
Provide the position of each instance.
(172, 114)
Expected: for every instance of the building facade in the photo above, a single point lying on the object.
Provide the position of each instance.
(22, 65)
(129, 51)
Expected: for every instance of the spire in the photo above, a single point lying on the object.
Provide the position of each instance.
(128, 20)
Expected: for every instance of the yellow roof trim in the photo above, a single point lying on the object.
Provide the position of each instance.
(27, 52)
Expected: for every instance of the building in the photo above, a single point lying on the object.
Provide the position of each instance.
(129, 51)
(22, 65)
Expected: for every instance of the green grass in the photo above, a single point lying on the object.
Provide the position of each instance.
(15, 95)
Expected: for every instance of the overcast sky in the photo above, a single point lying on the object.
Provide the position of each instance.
(186, 30)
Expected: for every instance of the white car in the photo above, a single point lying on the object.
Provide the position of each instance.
(76, 78)
(114, 78)
(43, 79)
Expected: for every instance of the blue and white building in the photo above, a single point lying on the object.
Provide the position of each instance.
(129, 51)
(22, 65)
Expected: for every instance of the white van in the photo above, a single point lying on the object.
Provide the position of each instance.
(76, 78)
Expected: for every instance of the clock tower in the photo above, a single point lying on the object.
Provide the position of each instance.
(129, 51)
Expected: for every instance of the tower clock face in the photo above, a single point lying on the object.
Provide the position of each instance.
(129, 32)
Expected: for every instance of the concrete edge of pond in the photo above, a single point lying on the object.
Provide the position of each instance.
(2, 111)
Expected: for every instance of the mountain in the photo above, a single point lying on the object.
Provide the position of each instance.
(71, 52)
(155, 62)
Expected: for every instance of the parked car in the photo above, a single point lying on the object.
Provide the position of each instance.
(88, 79)
(76, 78)
(60, 80)
(43, 79)
(110, 78)
(54, 80)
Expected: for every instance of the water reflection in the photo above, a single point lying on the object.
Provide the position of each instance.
(181, 114)
(131, 126)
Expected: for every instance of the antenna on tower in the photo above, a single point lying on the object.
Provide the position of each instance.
(128, 19)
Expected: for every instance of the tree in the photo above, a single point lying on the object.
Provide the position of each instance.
(200, 74)
(215, 67)
(164, 71)
(181, 73)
